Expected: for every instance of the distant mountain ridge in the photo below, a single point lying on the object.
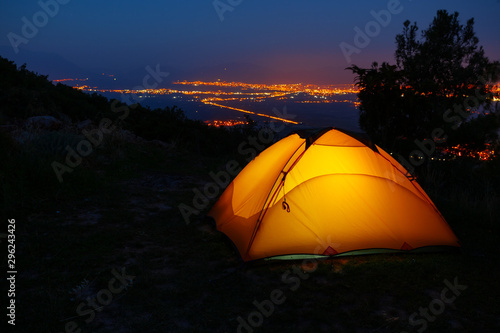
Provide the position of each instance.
(57, 67)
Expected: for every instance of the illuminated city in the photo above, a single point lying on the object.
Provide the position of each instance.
(227, 95)
(242, 97)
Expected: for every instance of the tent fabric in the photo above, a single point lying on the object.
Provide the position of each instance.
(331, 195)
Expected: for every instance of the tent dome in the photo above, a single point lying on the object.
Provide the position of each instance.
(331, 193)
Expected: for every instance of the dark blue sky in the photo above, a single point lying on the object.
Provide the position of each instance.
(287, 36)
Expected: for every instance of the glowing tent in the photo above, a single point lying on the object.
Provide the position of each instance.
(330, 193)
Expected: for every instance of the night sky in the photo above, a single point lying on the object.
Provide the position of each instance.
(288, 40)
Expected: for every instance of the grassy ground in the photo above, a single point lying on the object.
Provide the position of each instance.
(179, 277)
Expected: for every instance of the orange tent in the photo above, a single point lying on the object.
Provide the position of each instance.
(330, 193)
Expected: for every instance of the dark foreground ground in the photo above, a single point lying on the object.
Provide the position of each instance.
(122, 259)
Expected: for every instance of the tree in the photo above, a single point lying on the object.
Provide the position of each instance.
(438, 80)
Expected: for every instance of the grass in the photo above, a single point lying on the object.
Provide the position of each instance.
(118, 210)
(189, 279)
(467, 196)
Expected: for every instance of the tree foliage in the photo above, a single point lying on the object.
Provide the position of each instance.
(438, 80)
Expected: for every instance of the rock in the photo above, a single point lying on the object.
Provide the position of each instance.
(43, 122)
(64, 118)
(128, 136)
(8, 128)
(23, 136)
(159, 143)
(84, 124)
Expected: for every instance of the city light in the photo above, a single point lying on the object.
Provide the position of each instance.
(225, 123)
(255, 113)
(464, 150)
